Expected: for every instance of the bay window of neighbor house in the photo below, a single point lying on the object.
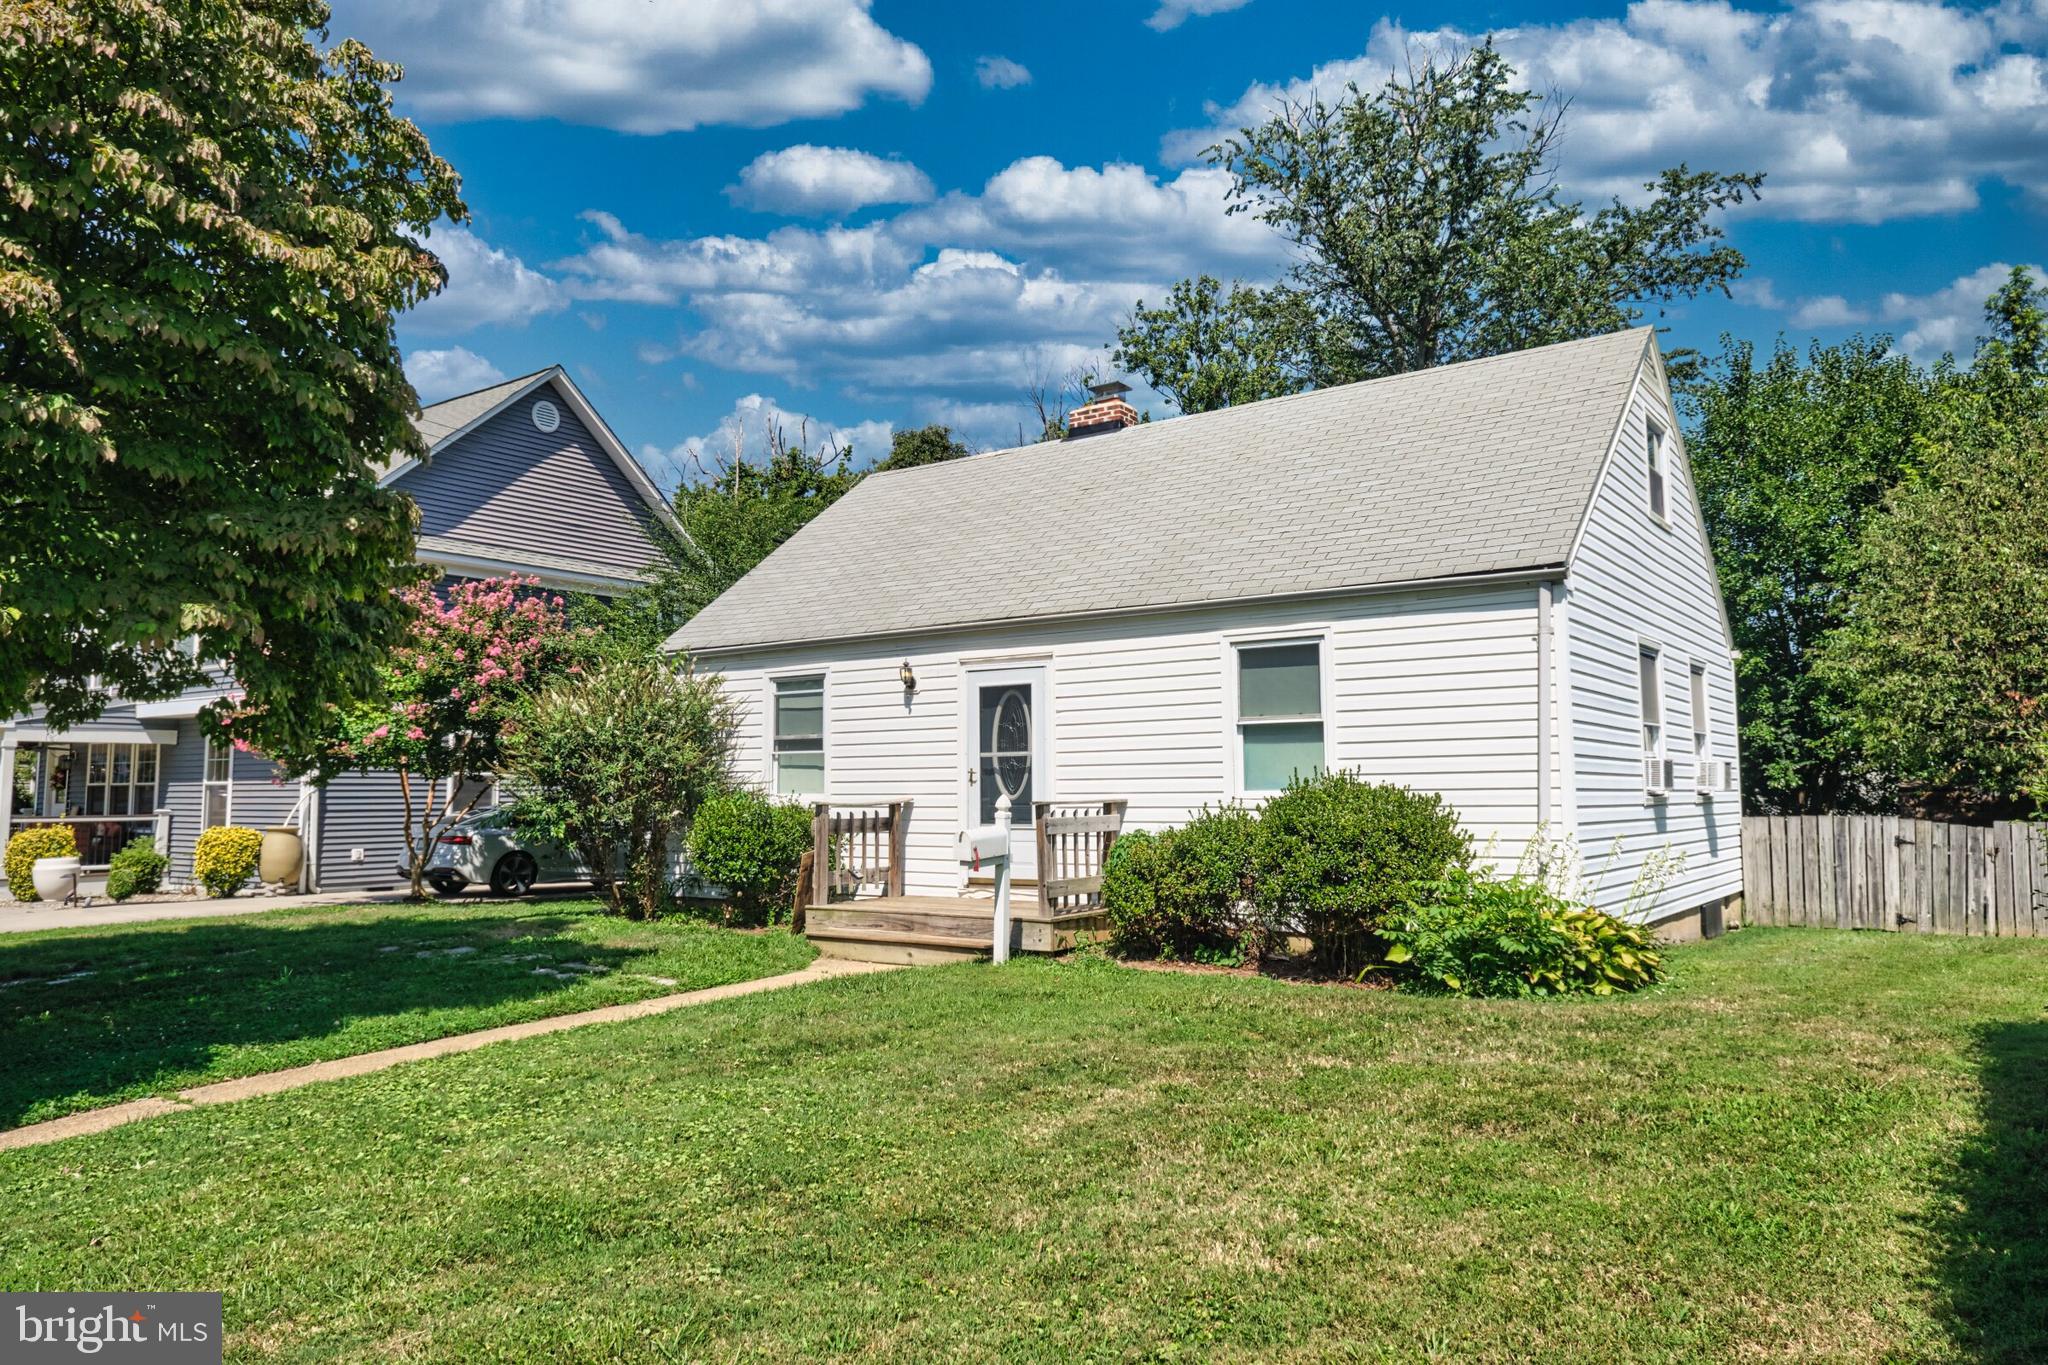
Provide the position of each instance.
(799, 740)
(215, 786)
(1279, 713)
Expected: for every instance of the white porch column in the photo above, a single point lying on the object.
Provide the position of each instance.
(8, 750)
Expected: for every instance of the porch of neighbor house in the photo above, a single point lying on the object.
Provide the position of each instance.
(855, 904)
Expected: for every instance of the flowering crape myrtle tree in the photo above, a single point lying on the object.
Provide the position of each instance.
(471, 651)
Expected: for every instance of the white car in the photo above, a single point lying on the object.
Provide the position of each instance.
(485, 848)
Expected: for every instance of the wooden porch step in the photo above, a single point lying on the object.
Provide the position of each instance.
(912, 939)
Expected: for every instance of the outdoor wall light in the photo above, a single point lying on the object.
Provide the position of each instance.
(909, 677)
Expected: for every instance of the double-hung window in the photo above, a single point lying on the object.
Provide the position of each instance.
(799, 737)
(120, 779)
(1702, 753)
(215, 787)
(1649, 673)
(1654, 446)
(1279, 713)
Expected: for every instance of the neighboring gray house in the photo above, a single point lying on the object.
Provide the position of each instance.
(523, 477)
(1488, 580)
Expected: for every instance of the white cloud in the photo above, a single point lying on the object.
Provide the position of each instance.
(1858, 110)
(1829, 310)
(1173, 13)
(485, 286)
(436, 375)
(1000, 73)
(1756, 292)
(639, 66)
(808, 179)
(962, 301)
(746, 430)
(1950, 319)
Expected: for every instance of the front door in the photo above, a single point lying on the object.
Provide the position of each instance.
(1006, 754)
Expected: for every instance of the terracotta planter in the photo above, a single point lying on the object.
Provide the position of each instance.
(282, 854)
(56, 879)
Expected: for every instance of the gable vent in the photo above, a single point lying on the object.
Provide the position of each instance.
(546, 416)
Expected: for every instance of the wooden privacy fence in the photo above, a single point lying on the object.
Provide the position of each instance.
(1890, 872)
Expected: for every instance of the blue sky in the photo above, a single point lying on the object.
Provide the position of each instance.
(876, 215)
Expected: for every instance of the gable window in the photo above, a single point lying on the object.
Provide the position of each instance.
(215, 788)
(1654, 442)
(1279, 713)
(799, 740)
(1648, 674)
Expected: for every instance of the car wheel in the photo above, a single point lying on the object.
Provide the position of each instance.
(515, 874)
(447, 886)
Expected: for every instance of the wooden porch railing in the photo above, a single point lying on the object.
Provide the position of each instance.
(1073, 844)
(856, 845)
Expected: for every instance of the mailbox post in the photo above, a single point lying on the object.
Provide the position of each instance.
(991, 844)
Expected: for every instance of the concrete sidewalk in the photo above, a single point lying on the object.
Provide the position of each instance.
(20, 917)
(271, 1082)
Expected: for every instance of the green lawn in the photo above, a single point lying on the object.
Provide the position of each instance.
(90, 1016)
(1807, 1146)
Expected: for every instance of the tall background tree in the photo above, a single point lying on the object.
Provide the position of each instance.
(1790, 460)
(1870, 522)
(739, 507)
(1425, 227)
(207, 221)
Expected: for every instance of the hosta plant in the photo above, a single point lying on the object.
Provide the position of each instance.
(1474, 934)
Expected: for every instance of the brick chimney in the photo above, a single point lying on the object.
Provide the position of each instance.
(1104, 412)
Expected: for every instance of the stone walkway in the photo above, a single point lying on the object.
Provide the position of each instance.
(271, 1082)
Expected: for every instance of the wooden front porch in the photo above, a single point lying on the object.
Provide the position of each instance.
(857, 907)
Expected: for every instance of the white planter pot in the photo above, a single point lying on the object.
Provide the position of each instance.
(56, 878)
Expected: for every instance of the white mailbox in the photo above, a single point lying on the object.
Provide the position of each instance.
(989, 846)
(984, 844)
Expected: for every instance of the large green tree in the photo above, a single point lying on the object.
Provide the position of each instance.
(1794, 464)
(1425, 227)
(1790, 460)
(916, 446)
(207, 220)
(1942, 661)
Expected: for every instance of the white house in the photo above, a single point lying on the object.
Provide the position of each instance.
(1488, 580)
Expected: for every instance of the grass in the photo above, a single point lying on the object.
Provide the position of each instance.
(89, 1017)
(1808, 1146)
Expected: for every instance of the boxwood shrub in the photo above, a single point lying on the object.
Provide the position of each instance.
(136, 869)
(1337, 856)
(751, 846)
(1186, 893)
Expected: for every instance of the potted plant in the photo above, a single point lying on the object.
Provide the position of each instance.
(283, 851)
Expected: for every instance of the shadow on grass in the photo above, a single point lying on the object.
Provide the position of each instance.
(1994, 1216)
(146, 1009)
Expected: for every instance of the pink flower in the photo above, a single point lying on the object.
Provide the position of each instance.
(414, 732)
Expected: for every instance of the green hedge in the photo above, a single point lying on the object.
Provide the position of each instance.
(1185, 893)
(1338, 856)
(752, 847)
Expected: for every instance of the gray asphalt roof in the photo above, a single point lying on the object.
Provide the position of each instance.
(439, 420)
(1484, 466)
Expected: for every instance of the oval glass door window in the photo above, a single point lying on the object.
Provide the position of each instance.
(1005, 767)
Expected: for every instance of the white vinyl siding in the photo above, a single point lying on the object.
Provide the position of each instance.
(1435, 690)
(1635, 582)
(799, 746)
